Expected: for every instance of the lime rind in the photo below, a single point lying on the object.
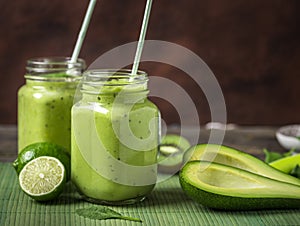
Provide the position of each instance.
(43, 178)
(36, 150)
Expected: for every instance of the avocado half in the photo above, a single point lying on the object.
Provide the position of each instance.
(238, 159)
(224, 187)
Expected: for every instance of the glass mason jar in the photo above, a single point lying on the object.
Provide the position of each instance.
(45, 101)
(115, 137)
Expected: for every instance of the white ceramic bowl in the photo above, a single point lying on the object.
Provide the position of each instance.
(287, 137)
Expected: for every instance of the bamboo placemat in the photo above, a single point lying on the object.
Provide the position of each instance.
(167, 205)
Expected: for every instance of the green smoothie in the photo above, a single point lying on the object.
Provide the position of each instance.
(45, 101)
(115, 136)
(45, 113)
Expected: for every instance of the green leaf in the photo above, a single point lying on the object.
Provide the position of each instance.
(102, 213)
(296, 171)
(271, 156)
(289, 153)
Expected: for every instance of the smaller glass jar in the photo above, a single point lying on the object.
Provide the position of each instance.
(45, 101)
(115, 137)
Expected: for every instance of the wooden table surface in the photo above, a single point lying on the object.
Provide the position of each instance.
(249, 139)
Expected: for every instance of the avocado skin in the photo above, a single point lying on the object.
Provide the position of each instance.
(230, 202)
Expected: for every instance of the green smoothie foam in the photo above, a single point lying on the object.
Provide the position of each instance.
(114, 144)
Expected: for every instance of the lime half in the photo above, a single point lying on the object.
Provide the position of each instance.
(36, 150)
(43, 178)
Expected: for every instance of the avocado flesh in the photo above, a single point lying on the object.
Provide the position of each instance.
(224, 187)
(235, 158)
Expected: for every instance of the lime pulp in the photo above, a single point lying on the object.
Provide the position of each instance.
(43, 178)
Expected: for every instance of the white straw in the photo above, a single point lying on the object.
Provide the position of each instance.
(83, 30)
(140, 45)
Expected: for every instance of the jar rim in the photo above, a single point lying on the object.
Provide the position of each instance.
(55, 61)
(120, 76)
(101, 81)
(54, 68)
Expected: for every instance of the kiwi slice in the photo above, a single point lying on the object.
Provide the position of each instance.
(171, 150)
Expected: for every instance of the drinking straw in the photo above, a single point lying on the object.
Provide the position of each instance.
(83, 30)
(140, 45)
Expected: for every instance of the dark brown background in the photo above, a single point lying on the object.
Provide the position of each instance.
(252, 46)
